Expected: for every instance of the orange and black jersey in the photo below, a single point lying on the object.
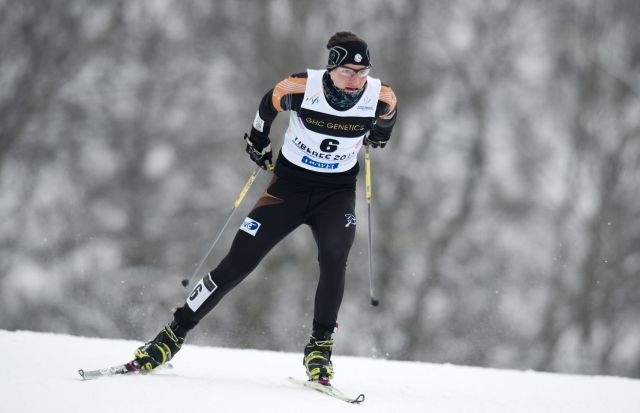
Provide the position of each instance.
(289, 93)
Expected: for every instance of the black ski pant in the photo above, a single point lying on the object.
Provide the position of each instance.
(284, 206)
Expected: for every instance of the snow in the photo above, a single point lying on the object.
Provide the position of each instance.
(40, 374)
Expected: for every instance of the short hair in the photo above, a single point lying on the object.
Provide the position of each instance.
(341, 37)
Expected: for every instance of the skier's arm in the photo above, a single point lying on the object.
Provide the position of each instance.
(386, 113)
(286, 95)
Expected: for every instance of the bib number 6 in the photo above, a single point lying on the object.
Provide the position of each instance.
(329, 145)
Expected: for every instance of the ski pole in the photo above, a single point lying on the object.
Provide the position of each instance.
(236, 203)
(367, 163)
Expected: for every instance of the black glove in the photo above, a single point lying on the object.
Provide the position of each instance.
(375, 140)
(261, 155)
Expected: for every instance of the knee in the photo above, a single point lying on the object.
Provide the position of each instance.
(333, 255)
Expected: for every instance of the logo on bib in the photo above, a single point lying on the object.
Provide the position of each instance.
(313, 99)
(323, 165)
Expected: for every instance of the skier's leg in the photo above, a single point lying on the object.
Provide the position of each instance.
(333, 226)
(275, 214)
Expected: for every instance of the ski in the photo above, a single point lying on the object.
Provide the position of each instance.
(329, 390)
(119, 370)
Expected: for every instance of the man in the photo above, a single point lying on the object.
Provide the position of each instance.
(333, 112)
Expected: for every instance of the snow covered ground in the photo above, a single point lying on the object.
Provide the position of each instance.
(40, 374)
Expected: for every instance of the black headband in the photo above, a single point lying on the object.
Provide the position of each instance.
(351, 52)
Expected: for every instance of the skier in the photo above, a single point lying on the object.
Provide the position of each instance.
(334, 112)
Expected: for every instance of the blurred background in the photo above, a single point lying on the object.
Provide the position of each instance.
(506, 208)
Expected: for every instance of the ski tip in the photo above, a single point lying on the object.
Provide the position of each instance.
(81, 373)
(359, 399)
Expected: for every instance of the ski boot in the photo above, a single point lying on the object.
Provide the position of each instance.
(162, 348)
(317, 359)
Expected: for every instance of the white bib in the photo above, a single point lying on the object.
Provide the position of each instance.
(323, 139)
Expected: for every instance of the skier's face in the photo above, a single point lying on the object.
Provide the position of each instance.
(350, 78)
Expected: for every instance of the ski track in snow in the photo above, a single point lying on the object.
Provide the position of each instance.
(42, 375)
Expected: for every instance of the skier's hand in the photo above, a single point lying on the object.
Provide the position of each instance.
(261, 155)
(376, 140)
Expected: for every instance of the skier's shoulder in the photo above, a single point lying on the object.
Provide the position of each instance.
(295, 83)
(288, 93)
(388, 97)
